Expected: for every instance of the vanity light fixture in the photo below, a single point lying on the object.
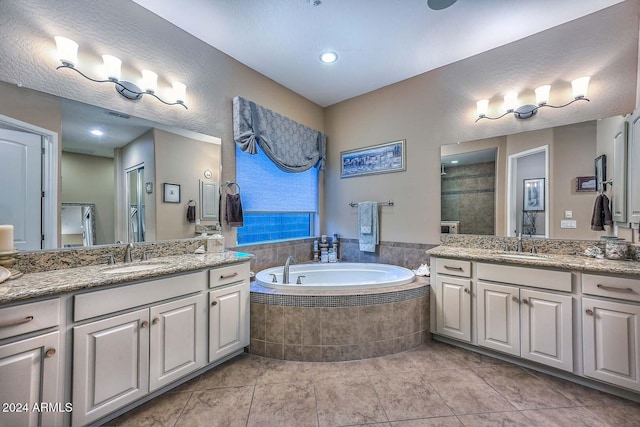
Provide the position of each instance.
(580, 87)
(68, 56)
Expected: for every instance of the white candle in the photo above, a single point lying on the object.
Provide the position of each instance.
(6, 238)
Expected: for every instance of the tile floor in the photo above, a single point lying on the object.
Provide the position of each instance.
(434, 385)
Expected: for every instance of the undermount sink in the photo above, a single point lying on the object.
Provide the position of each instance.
(522, 256)
(132, 268)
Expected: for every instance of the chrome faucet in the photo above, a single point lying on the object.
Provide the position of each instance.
(519, 246)
(127, 252)
(285, 274)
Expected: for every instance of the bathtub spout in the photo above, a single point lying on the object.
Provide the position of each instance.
(285, 273)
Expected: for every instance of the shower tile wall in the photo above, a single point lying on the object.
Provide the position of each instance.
(468, 196)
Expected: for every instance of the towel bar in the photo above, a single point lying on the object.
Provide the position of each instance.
(387, 203)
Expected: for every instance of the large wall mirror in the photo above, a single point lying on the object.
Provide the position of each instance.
(527, 182)
(117, 165)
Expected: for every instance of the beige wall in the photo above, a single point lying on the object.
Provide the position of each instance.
(181, 160)
(438, 108)
(90, 179)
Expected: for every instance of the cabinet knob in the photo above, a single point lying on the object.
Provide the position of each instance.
(155, 321)
(589, 312)
(214, 303)
(525, 301)
(144, 324)
(50, 352)
(515, 299)
(467, 291)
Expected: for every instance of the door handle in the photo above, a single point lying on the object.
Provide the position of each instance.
(228, 276)
(447, 267)
(17, 322)
(589, 312)
(214, 303)
(515, 299)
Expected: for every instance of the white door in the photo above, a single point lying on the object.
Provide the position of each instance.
(547, 330)
(611, 340)
(110, 365)
(499, 317)
(177, 341)
(453, 307)
(28, 377)
(21, 192)
(228, 320)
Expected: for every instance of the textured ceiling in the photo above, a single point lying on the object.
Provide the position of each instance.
(380, 42)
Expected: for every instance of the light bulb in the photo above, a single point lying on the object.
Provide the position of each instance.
(483, 107)
(580, 87)
(179, 92)
(510, 101)
(67, 50)
(149, 81)
(542, 94)
(112, 67)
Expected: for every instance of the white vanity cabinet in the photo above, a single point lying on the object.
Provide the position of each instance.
(228, 310)
(453, 298)
(611, 330)
(527, 323)
(30, 367)
(121, 358)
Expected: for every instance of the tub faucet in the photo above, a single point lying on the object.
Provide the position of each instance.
(127, 252)
(285, 274)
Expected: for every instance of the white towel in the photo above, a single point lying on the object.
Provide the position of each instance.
(368, 226)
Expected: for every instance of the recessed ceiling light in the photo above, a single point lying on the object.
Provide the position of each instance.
(329, 57)
(453, 162)
(97, 132)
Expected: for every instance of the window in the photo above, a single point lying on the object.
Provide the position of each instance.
(277, 205)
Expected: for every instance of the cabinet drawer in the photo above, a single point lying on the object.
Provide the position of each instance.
(453, 267)
(612, 287)
(21, 319)
(231, 274)
(98, 303)
(525, 276)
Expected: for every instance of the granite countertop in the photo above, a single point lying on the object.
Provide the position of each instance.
(566, 262)
(56, 282)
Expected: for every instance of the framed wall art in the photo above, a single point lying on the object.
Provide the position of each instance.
(383, 158)
(533, 194)
(171, 193)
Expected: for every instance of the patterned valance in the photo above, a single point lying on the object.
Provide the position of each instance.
(293, 147)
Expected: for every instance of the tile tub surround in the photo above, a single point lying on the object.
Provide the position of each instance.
(408, 255)
(330, 326)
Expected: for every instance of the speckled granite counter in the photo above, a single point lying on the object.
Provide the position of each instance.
(566, 262)
(55, 282)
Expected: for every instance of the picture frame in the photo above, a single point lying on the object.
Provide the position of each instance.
(533, 194)
(585, 183)
(376, 159)
(601, 172)
(171, 193)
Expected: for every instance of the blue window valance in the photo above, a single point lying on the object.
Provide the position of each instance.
(292, 146)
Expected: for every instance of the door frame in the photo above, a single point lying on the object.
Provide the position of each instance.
(512, 188)
(50, 172)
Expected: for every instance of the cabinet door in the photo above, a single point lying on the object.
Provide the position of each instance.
(498, 317)
(619, 193)
(228, 320)
(633, 183)
(453, 307)
(177, 340)
(28, 377)
(547, 329)
(611, 336)
(110, 365)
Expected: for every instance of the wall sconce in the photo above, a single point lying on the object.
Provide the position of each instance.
(579, 85)
(68, 56)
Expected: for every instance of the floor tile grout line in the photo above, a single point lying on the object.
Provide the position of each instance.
(439, 395)
(315, 398)
(378, 397)
(250, 405)
(175, 424)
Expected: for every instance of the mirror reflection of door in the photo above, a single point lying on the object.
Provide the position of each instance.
(77, 224)
(528, 195)
(135, 196)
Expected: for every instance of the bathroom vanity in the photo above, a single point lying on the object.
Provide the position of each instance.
(556, 313)
(91, 342)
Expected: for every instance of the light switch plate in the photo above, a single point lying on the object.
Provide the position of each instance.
(568, 224)
(568, 214)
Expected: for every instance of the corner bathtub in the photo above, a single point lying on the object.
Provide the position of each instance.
(336, 276)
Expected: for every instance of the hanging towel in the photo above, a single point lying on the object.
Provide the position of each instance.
(191, 213)
(233, 212)
(368, 226)
(601, 213)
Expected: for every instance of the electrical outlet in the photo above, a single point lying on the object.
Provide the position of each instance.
(568, 224)
(568, 214)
